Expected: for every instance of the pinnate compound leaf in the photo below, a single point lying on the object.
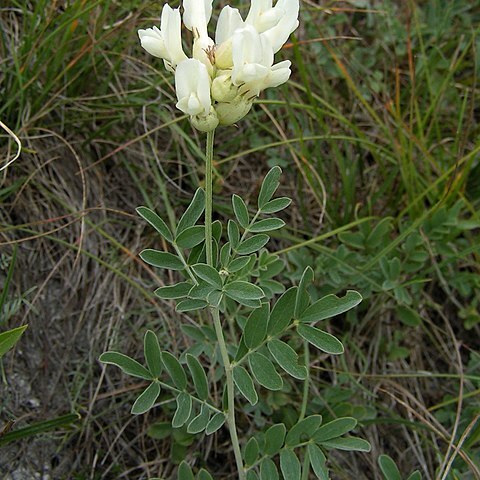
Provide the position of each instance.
(199, 377)
(255, 329)
(215, 423)
(268, 470)
(303, 430)
(9, 338)
(153, 354)
(126, 364)
(350, 444)
(264, 371)
(287, 358)
(269, 186)
(252, 244)
(174, 292)
(274, 438)
(156, 222)
(330, 305)
(147, 399)
(193, 212)
(190, 305)
(240, 290)
(282, 312)
(318, 461)
(162, 259)
(389, 468)
(175, 370)
(200, 422)
(240, 210)
(334, 429)
(267, 225)
(209, 274)
(185, 472)
(290, 465)
(251, 451)
(244, 383)
(276, 205)
(183, 411)
(191, 236)
(322, 340)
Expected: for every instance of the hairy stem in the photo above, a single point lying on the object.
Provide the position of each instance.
(215, 312)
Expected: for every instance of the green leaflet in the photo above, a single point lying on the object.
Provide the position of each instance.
(183, 411)
(156, 222)
(9, 338)
(389, 469)
(147, 399)
(322, 340)
(318, 461)
(152, 352)
(191, 236)
(251, 451)
(175, 370)
(303, 430)
(290, 465)
(240, 210)
(193, 212)
(126, 364)
(350, 444)
(269, 186)
(255, 329)
(282, 312)
(199, 377)
(264, 371)
(185, 472)
(274, 438)
(252, 244)
(244, 383)
(334, 429)
(174, 292)
(209, 274)
(162, 259)
(329, 306)
(287, 358)
(200, 422)
(215, 423)
(268, 470)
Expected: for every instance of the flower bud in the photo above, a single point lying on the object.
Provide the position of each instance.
(205, 123)
(223, 89)
(231, 112)
(224, 56)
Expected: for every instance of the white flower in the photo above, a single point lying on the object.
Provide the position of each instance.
(192, 84)
(276, 23)
(253, 67)
(229, 20)
(196, 15)
(287, 23)
(165, 42)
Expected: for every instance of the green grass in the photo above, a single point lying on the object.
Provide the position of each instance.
(378, 136)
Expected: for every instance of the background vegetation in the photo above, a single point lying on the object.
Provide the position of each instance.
(378, 136)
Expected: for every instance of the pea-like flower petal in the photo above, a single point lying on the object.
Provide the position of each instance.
(165, 42)
(192, 84)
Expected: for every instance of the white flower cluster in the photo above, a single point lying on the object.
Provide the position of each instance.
(219, 83)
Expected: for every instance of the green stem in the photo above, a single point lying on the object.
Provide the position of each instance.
(215, 312)
(209, 197)
(230, 393)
